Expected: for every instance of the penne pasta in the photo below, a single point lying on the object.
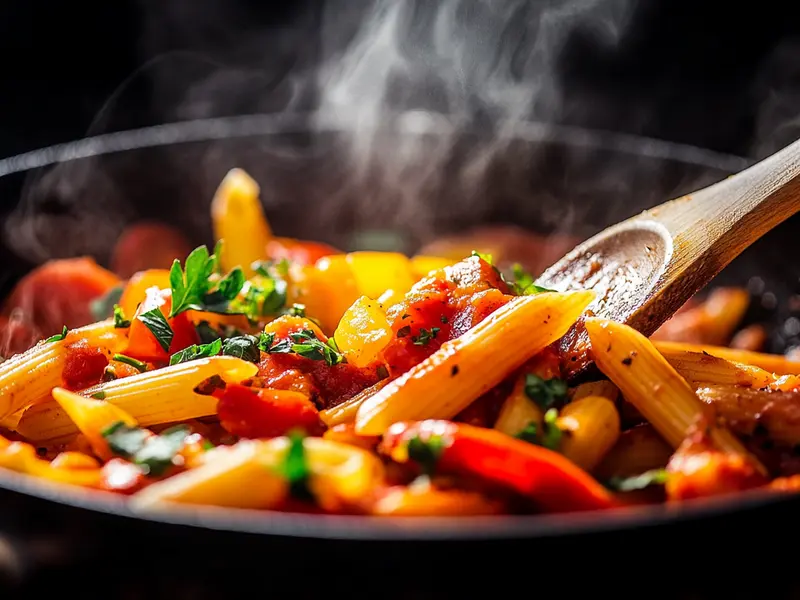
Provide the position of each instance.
(238, 219)
(28, 378)
(651, 384)
(153, 397)
(465, 368)
(591, 427)
(773, 363)
(518, 411)
(698, 367)
(346, 411)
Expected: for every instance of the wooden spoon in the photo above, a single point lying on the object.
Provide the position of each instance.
(645, 268)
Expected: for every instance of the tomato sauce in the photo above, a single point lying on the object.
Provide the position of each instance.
(84, 366)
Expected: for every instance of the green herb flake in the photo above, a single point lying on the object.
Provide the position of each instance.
(120, 322)
(523, 283)
(638, 482)
(404, 331)
(58, 337)
(265, 341)
(483, 256)
(158, 325)
(550, 435)
(153, 453)
(206, 332)
(304, 343)
(193, 288)
(295, 469)
(545, 392)
(297, 310)
(425, 336)
(196, 351)
(245, 347)
(99, 395)
(136, 364)
(426, 452)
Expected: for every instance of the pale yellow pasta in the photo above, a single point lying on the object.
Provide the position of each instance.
(698, 367)
(653, 386)
(239, 220)
(247, 476)
(463, 369)
(605, 389)
(591, 427)
(346, 411)
(27, 378)
(518, 411)
(153, 397)
(773, 363)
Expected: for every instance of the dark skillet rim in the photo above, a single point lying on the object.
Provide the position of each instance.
(333, 527)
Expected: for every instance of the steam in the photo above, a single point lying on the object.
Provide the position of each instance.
(475, 89)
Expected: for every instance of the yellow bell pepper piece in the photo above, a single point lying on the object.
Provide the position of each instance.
(363, 332)
(327, 289)
(238, 219)
(376, 272)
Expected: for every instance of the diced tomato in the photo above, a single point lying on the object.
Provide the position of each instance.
(84, 366)
(59, 293)
(264, 413)
(143, 345)
(121, 476)
(148, 246)
(300, 252)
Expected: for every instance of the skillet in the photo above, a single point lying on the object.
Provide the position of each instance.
(330, 179)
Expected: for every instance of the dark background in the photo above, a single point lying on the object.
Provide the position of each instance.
(704, 73)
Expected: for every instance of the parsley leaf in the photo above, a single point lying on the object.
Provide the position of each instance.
(245, 347)
(99, 395)
(153, 453)
(226, 290)
(196, 351)
(483, 256)
(425, 336)
(638, 482)
(426, 453)
(265, 341)
(57, 337)
(550, 436)
(523, 283)
(158, 325)
(193, 289)
(545, 392)
(296, 310)
(102, 307)
(120, 322)
(295, 469)
(136, 364)
(304, 343)
(206, 332)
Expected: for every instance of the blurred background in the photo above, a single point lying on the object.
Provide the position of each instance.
(700, 73)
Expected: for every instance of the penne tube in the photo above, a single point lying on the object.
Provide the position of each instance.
(153, 397)
(239, 221)
(773, 363)
(592, 427)
(425, 500)
(463, 369)
(638, 450)
(746, 409)
(247, 475)
(27, 378)
(346, 411)
(698, 367)
(604, 389)
(651, 384)
(518, 411)
(22, 458)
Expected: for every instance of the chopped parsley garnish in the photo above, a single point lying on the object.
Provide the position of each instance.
(120, 322)
(103, 306)
(206, 332)
(545, 392)
(245, 347)
(523, 283)
(425, 336)
(153, 453)
(426, 453)
(196, 351)
(304, 343)
(193, 287)
(265, 296)
(550, 436)
(136, 364)
(296, 310)
(158, 325)
(443, 319)
(638, 482)
(404, 331)
(99, 395)
(483, 256)
(59, 336)
(295, 468)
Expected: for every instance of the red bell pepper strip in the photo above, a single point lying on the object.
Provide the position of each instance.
(143, 345)
(549, 479)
